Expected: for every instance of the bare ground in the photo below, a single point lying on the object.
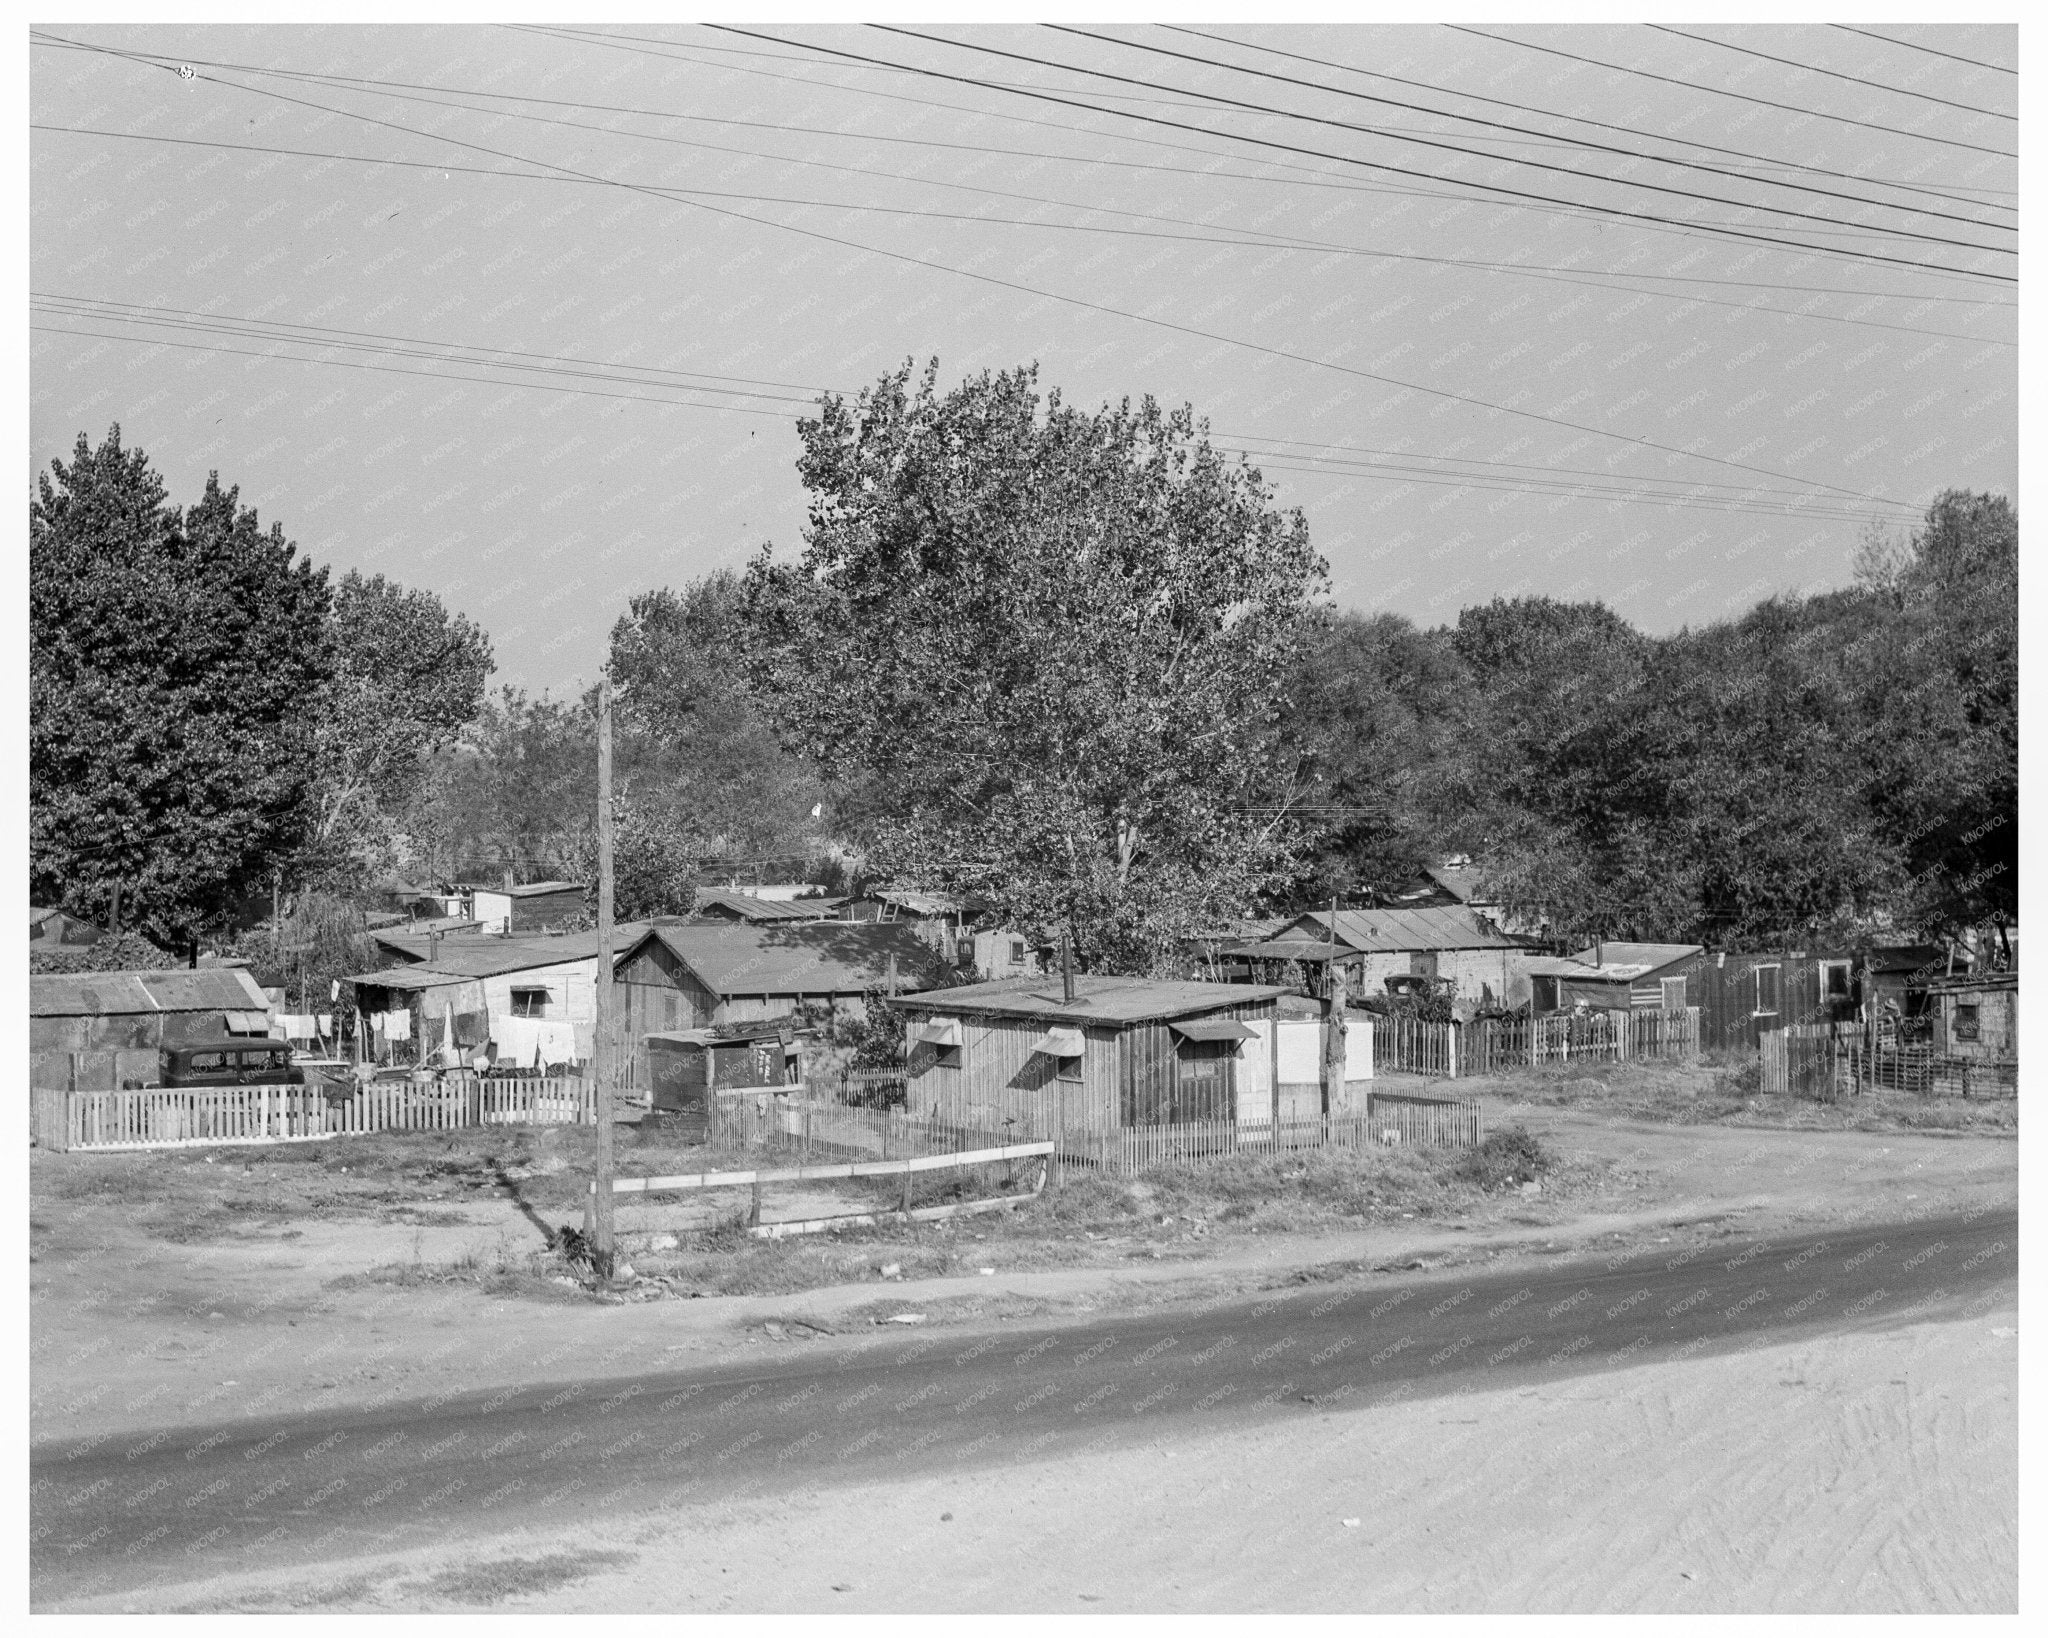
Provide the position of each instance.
(174, 1288)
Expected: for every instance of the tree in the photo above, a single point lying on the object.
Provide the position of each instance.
(654, 863)
(690, 737)
(174, 661)
(408, 677)
(1938, 669)
(1372, 725)
(519, 792)
(1056, 640)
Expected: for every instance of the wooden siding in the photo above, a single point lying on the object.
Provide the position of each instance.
(1127, 1071)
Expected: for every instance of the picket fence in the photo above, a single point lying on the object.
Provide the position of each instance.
(197, 1116)
(1488, 1046)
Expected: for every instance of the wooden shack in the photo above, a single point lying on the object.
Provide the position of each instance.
(1740, 993)
(1978, 1029)
(89, 1032)
(1016, 1056)
(686, 976)
(687, 1068)
(1440, 943)
(1616, 976)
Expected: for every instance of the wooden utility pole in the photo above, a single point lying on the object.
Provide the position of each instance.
(1333, 1025)
(601, 1200)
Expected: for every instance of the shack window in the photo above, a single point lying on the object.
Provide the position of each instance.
(1966, 1021)
(1017, 952)
(1834, 980)
(1069, 1068)
(529, 1003)
(1674, 994)
(1767, 989)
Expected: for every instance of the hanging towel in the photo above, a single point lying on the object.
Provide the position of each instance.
(326, 1022)
(586, 1041)
(517, 1041)
(299, 1026)
(556, 1041)
(398, 1024)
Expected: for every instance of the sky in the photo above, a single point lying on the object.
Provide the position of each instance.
(526, 316)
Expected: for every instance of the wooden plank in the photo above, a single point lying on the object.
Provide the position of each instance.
(800, 1174)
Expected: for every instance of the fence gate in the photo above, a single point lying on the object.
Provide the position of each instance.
(1798, 1061)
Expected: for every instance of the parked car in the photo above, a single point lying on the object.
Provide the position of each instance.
(229, 1063)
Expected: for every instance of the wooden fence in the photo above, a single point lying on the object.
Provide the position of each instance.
(1390, 1119)
(197, 1116)
(1489, 1046)
(1412, 1046)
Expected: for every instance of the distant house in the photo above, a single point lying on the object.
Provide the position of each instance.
(1447, 942)
(526, 1001)
(682, 976)
(1007, 953)
(93, 1031)
(534, 907)
(731, 904)
(904, 904)
(1613, 976)
(50, 928)
(1125, 1052)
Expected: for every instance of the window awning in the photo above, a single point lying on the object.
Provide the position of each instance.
(246, 1023)
(944, 1032)
(1060, 1043)
(1213, 1029)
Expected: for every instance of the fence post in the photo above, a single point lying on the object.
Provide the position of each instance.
(908, 1175)
(754, 1208)
(1451, 1048)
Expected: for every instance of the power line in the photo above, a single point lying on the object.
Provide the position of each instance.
(1909, 45)
(1492, 187)
(1760, 160)
(1833, 74)
(1528, 477)
(1596, 147)
(1588, 278)
(1738, 96)
(1009, 284)
(1579, 142)
(1573, 209)
(1512, 194)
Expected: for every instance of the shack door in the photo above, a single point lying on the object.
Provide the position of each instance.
(1204, 1088)
(678, 1072)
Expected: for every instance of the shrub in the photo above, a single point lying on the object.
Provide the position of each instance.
(1511, 1156)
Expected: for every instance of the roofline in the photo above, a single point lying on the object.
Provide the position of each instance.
(1061, 1012)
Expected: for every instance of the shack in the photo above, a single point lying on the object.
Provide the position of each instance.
(533, 907)
(1740, 993)
(731, 904)
(687, 976)
(1977, 1032)
(51, 928)
(1440, 943)
(1017, 1056)
(525, 1002)
(1612, 976)
(90, 1032)
(687, 1068)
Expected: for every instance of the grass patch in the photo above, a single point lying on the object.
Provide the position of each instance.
(496, 1580)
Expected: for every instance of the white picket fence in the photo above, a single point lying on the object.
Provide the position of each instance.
(200, 1116)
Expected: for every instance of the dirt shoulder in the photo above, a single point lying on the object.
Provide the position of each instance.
(167, 1290)
(1875, 1470)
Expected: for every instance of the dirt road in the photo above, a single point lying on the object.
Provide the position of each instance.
(140, 1520)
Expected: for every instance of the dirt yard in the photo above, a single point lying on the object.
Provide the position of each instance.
(1862, 1472)
(184, 1287)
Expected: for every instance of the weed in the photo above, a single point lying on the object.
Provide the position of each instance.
(1508, 1157)
(496, 1580)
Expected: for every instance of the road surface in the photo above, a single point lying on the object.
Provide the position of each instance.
(138, 1511)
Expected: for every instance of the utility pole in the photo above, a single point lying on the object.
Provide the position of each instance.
(601, 1199)
(1333, 1025)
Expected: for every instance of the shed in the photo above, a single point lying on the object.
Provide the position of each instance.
(51, 928)
(686, 1067)
(92, 1031)
(1443, 942)
(1016, 1055)
(730, 904)
(684, 976)
(1612, 976)
(1979, 1018)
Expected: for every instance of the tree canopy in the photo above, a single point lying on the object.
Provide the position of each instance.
(1056, 638)
(175, 657)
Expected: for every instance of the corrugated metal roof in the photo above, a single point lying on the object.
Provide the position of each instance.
(1619, 962)
(797, 958)
(528, 890)
(481, 956)
(1441, 927)
(178, 989)
(1098, 999)
(749, 908)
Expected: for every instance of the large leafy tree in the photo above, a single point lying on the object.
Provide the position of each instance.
(691, 741)
(408, 678)
(175, 661)
(1056, 638)
(518, 793)
(1938, 667)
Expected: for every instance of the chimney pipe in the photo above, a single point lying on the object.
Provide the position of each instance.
(1067, 969)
